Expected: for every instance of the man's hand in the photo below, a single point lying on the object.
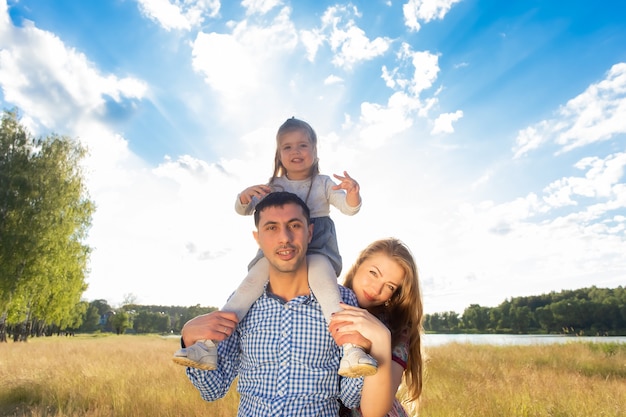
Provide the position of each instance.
(216, 325)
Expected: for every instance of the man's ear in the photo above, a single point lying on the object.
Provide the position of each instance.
(310, 232)
(255, 234)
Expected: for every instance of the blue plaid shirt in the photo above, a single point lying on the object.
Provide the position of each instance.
(286, 361)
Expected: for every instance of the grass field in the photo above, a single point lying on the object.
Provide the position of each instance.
(134, 376)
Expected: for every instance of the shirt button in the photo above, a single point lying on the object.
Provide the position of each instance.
(280, 392)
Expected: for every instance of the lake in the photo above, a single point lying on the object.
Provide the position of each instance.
(514, 339)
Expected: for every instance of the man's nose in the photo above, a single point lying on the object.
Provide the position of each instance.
(285, 235)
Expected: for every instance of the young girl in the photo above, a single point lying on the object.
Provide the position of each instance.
(385, 281)
(296, 170)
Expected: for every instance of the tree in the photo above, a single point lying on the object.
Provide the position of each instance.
(120, 321)
(476, 317)
(44, 217)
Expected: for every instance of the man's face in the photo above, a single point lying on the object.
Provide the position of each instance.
(283, 236)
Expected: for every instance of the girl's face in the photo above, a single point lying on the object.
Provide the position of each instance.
(297, 154)
(376, 280)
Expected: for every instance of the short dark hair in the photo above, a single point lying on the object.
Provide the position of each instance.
(279, 199)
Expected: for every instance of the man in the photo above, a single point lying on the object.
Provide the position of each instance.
(282, 352)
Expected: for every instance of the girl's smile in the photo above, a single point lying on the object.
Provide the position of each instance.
(296, 154)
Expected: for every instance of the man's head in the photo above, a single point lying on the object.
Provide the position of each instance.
(283, 231)
(279, 199)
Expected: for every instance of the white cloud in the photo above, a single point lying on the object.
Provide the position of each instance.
(443, 123)
(54, 84)
(600, 181)
(414, 73)
(332, 80)
(246, 56)
(349, 42)
(597, 114)
(378, 124)
(425, 11)
(260, 6)
(177, 14)
(416, 70)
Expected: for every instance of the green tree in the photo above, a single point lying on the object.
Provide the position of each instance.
(476, 317)
(120, 321)
(90, 320)
(44, 218)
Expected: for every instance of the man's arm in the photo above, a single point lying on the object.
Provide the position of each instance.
(214, 385)
(218, 326)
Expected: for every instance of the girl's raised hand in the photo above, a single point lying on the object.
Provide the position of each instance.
(259, 191)
(347, 183)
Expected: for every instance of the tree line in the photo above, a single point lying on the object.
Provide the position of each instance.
(586, 311)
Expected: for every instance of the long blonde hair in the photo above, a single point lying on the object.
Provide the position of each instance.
(404, 310)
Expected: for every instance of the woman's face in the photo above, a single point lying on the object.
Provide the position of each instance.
(376, 280)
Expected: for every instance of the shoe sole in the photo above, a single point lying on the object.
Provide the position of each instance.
(358, 371)
(193, 364)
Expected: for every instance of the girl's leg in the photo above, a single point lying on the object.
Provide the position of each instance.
(250, 289)
(323, 283)
(203, 354)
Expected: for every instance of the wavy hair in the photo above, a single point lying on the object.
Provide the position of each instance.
(404, 310)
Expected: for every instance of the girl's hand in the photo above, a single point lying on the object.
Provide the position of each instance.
(259, 191)
(353, 196)
(347, 183)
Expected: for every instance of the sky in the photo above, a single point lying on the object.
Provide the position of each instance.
(489, 136)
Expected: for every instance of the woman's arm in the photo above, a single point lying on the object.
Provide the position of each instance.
(358, 326)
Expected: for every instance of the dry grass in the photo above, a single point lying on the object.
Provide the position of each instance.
(134, 376)
(544, 380)
(100, 377)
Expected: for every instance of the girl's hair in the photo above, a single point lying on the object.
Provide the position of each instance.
(292, 125)
(404, 310)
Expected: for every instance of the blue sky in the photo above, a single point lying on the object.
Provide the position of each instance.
(489, 136)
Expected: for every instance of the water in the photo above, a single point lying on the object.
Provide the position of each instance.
(514, 339)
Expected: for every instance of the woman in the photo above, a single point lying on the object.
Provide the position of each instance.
(385, 281)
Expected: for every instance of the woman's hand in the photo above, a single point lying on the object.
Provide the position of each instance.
(358, 326)
(259, 191)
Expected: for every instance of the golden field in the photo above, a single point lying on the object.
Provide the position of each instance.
(127, 375)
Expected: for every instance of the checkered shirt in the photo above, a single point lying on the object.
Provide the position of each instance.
(286, 361)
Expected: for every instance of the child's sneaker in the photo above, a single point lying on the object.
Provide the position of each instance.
(201, 355)
(355, 362)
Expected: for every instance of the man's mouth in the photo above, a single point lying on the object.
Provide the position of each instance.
(285, 253)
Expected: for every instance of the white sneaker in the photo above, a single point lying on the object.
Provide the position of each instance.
(355, 362)
(201, 355)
